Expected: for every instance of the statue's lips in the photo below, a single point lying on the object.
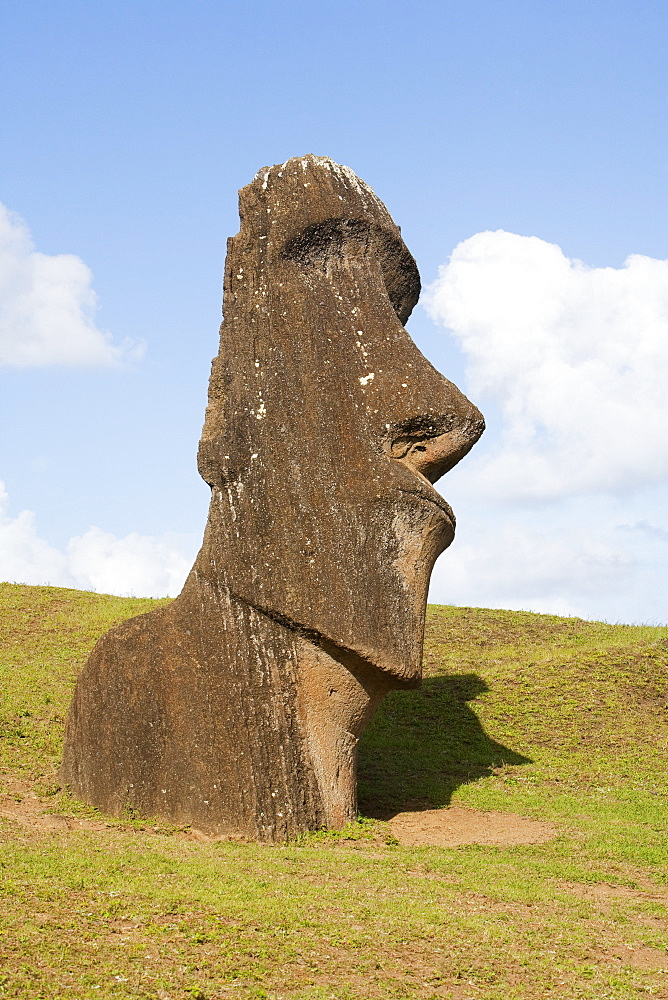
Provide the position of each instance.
(421, 486)
(435, 500)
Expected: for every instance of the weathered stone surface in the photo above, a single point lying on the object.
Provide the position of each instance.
(238, 707)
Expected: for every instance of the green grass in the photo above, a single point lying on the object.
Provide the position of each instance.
(553, 718)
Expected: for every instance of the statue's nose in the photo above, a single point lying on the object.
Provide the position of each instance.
(433, 457)
(432, 444)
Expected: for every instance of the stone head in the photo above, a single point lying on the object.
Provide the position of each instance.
(326, 427)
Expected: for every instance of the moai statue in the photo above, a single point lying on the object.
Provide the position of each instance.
(238, 707)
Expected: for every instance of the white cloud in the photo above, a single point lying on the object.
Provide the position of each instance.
(596, 557)
(137, 565)
(24, 556)
(47, 306)
(563, 505)
(142, 565)
(576, 358)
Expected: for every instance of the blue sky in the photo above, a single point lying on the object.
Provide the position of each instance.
(127, 129)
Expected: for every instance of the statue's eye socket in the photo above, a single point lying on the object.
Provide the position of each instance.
(343, 238)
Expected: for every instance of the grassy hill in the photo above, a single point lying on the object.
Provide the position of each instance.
(553, 718)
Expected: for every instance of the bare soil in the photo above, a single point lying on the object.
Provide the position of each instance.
(451, 827)
(458, 825)
(22, 805)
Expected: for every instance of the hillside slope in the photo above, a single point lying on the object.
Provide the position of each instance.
(553, 718)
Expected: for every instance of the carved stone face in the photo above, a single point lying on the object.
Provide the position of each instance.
(326, 426)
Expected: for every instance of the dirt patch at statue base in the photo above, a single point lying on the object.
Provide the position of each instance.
(448, 827)
(457, 825)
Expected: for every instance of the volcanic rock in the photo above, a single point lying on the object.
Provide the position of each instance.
(238, 707)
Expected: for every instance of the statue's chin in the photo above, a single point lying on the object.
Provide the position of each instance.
(364, 603)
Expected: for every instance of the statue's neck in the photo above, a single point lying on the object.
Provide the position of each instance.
(335, 702)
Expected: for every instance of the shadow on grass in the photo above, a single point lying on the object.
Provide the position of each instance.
(423, 744)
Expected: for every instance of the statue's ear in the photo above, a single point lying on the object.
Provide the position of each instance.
(318, 246)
